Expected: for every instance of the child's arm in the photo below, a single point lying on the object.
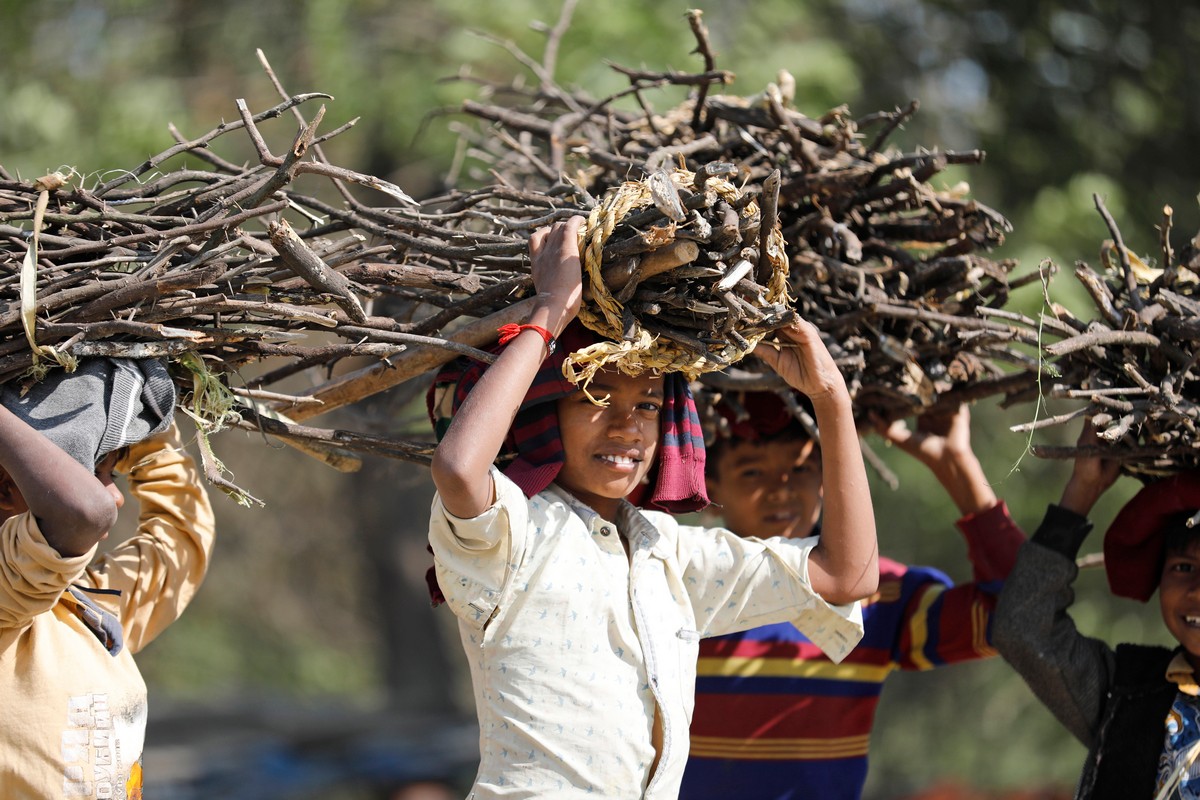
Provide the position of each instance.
(1091, 477)
(942, 623)
(158, 570)
(844, 567)
(943, 444)
(1032, 629)
(463, 459)
(73, 509)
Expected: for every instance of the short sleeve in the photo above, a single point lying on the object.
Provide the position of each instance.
(475, 557)
(740, 583)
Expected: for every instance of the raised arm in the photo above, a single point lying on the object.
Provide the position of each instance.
(1032, 627)
(1091, 477)
(942, 442)
(74, 510)
(844, 567)
(462, 462)
(159, 569)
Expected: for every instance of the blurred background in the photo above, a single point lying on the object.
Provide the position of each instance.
(311, 664)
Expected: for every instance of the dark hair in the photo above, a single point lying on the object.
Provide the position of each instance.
(1177, 536)
(794, 431)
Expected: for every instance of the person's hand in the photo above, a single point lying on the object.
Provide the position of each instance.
(557, 270)
(803, 361)
(939, 437)
(942, 442)
(1092, 476)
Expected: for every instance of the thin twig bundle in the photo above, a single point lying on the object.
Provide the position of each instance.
(889, 267)
(1133, 363)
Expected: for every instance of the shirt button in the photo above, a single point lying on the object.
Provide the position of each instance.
(605, 531)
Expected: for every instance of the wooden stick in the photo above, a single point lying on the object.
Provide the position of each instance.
(376, 378)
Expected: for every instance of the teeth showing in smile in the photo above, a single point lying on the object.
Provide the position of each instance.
(623, 461)
(1192, 620)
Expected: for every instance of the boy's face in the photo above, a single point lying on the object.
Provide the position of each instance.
(1179, 598)
(770, 488)
(609, 449)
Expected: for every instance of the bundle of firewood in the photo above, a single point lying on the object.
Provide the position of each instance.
(242, 264)
(888, 266)
(1132, 362)
(708, 226)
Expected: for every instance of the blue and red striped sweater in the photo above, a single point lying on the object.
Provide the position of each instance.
(777, 720)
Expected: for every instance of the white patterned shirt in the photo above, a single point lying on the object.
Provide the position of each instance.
(573, 645)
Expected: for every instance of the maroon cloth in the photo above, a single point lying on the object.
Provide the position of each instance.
(759, 415)
(1134, 543)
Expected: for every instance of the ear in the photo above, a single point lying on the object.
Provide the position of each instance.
(713, 486)
(11, 500)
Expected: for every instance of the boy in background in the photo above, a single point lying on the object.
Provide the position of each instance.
(579, 613)
(776, 719)
(74, 701)
(1135, 707)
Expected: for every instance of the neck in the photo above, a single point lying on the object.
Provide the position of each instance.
(606, 507)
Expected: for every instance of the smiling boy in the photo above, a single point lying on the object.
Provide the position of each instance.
(580, 613)
(1136, 708)
(775, 719)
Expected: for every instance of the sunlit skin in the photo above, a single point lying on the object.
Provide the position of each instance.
(768, 488)
(1179, 599)
(609, 449)
(12, 502)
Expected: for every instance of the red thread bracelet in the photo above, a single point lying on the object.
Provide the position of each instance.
(509, 332)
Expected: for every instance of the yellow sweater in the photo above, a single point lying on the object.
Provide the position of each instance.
(74, 715)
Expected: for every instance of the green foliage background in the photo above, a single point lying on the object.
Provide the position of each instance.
(316, 602)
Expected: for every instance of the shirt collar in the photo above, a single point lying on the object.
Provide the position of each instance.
(629, 523)
(1179, 672)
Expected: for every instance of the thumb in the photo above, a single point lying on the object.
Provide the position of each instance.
(899, 434)
(769, 353)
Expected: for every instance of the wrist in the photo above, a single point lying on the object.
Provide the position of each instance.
(1079, 498)
(552, 314)
(833, 398)
(512, 330)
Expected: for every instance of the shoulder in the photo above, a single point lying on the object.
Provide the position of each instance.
(664, 523)
(911, 575)
(1141, 662)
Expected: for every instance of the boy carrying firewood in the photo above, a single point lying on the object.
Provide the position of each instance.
(70, 622)
(580, 613)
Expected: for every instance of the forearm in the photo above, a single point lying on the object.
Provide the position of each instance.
(463, 458)
(173, 502)
(993, 542)
(962, 476)
(73, 508)
(1034, 632)
(848, 553)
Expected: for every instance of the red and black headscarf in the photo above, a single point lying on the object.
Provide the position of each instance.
(534, 442)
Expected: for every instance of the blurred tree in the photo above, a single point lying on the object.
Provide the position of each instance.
(1050, 91)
